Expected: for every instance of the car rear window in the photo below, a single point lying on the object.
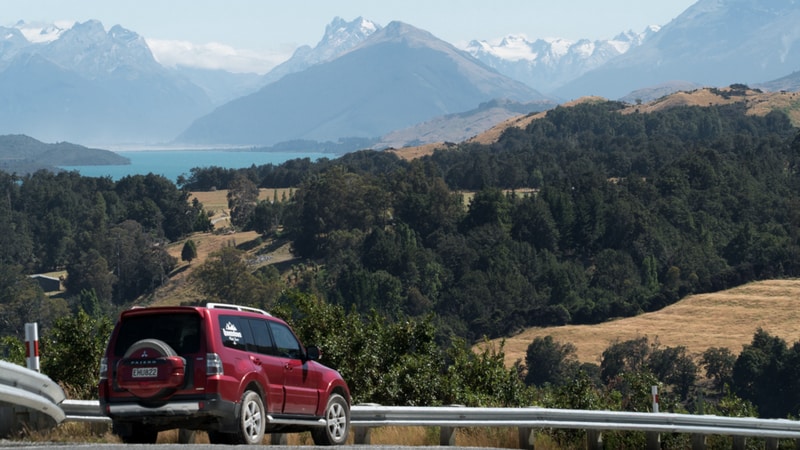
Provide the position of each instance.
(179, 331)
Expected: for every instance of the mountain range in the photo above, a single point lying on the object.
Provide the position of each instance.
(393, 85)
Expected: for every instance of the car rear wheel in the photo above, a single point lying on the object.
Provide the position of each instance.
(337, 423)
(252, 421)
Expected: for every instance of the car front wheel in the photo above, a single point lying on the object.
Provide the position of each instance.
(337, 423)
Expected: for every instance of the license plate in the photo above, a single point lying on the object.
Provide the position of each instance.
(144, 372)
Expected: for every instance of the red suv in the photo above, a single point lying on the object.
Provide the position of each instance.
(233, 371)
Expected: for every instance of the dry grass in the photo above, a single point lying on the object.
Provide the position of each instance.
(723, 319)
(75, 432)
(757, 103)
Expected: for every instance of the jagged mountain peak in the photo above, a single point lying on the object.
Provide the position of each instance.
(88, 49)
(359, 27)
(340, 37)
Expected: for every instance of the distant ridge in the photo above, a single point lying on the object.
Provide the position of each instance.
(22, 154)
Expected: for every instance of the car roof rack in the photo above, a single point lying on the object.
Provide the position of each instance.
(236, 308)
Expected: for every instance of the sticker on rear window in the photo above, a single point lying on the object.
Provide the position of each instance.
(232, 333)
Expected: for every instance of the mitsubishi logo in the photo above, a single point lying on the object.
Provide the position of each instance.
(144, 354)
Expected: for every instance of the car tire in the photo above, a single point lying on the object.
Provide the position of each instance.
(252, 420)
(337, 423)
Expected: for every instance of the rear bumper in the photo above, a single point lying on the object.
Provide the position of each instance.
(177, 412)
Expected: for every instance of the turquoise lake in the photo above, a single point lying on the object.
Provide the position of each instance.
(173, 163)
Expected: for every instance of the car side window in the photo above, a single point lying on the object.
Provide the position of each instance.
(262, 340)
(286, 343)
(235, 332)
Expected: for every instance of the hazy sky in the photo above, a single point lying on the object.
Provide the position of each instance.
(269, 31)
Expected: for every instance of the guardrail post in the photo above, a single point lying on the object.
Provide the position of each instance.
(447, 436)
(771, 443)
(362, 436)
(594, 440)
(653, 440)
(186, 436)
(698, 442)
(278, 439)
(527, 438)
(739, 442)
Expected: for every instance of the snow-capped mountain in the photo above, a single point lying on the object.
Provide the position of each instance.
(340, 37)
(712, 43)
(86, 85)
(89, 50)
(546, 64)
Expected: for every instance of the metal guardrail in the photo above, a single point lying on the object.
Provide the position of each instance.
(449, 418)
(31, 390)
(31, 381)
(375, 416)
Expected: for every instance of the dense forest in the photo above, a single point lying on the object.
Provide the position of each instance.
(586, 215)
(628, 213)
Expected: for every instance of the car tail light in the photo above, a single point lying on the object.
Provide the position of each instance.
(103, 368)
(213, 364)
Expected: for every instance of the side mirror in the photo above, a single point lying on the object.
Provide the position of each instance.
(313, 353)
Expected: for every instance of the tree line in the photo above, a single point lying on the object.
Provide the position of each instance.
(630, 212)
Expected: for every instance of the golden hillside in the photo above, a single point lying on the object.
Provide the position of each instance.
(722, 319)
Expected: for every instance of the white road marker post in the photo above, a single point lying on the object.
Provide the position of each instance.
(32, 346)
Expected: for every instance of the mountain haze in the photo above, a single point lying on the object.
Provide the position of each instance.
(397, 77)
(712, 43)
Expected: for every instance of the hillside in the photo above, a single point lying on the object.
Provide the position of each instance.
(178, 289)
(721, 319)
(758, 103)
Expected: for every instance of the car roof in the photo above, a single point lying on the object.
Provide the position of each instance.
(210, 307)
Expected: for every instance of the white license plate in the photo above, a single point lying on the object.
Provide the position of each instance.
(145, 372)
